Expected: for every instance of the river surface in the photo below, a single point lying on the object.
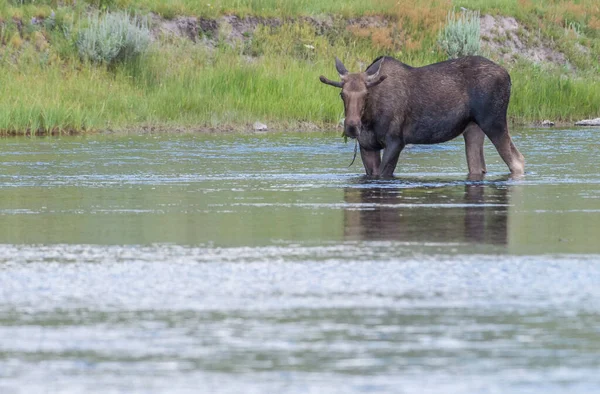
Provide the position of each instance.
(263, 264)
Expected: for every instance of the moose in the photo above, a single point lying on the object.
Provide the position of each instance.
(392, 104)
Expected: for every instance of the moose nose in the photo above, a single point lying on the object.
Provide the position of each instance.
(352, 127)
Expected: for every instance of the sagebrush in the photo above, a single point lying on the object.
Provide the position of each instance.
(461, 35)
(113, 37)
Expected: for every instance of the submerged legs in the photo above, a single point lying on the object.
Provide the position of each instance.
(509, 153)
(474, 138)
(371, 160)
(497, 132)
(391, 153)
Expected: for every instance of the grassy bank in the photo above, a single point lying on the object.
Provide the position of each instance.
(270, 74)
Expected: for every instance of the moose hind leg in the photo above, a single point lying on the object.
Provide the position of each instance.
(498, 134)
(474, 138)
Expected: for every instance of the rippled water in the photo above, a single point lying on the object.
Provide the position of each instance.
(262, 264)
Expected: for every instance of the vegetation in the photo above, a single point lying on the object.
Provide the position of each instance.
(461, 35)
(113, 37)
(62, 68)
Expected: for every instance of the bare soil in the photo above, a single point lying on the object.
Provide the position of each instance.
(506, 38)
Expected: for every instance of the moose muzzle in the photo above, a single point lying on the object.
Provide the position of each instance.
(352, 127)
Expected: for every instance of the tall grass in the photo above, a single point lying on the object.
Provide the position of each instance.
(167, 88)
(538, 94)
(185, 85)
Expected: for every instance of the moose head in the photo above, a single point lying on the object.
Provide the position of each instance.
(355, 89)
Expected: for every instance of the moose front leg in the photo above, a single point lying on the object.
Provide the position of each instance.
(391, 153)
(371, 160)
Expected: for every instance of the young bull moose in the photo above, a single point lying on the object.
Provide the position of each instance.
(392, 104)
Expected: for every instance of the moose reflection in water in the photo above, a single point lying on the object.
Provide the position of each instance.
(470, 212)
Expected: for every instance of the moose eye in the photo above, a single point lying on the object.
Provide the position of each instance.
(342, 94)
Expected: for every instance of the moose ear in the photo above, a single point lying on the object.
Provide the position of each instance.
(373, 70)
(376, 82)
(374, 78)
(340, 67)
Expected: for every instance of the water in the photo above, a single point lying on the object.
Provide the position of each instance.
(262, 264)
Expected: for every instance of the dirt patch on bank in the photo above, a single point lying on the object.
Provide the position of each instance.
(232, 28)
(505, 38)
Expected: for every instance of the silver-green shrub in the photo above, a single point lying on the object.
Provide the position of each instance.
(460, 36)
(113, 37)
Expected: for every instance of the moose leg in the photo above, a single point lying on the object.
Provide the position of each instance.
(391, 153)
(371, 160)
(474, 138)
(505, 147)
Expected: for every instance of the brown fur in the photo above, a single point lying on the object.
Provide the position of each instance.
(392, 104)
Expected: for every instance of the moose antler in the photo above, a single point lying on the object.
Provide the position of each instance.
(330, 82)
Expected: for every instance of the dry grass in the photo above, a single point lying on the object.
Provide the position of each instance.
(594, 22)
(420, 21)
(386, 38)
(417, 23)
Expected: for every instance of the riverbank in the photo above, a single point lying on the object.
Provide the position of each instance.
(234, 63)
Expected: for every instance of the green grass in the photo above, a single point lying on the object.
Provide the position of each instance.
(538, 94)
(193, 90)
(273, 77)
(218, 7)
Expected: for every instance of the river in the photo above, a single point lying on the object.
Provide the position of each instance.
(261, 263)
